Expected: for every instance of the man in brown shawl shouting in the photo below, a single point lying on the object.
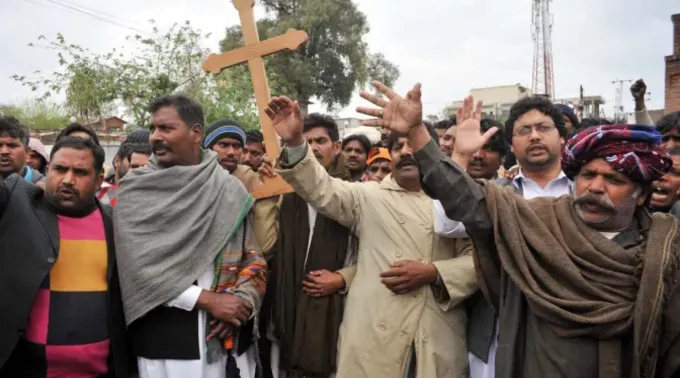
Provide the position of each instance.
(584, 285)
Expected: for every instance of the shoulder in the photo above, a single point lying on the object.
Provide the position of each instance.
(19, 187)
(36, 176)
(246, 175)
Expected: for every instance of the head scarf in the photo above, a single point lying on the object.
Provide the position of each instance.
(633, 150)
(37, 146)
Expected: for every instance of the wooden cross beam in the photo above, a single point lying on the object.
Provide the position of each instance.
(253, 53)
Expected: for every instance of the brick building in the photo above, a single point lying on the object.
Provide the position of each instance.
(673, 70)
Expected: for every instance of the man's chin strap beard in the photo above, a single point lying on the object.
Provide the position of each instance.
(85, 210)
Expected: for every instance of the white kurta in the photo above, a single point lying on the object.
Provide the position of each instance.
(196, 368)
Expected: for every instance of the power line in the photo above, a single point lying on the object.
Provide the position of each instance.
(72, 8)
(109, 15)
(97, 16)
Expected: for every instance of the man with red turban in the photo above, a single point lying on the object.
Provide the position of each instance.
(585, 285)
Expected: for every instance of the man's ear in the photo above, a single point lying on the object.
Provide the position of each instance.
(197, 134)
(337, 147)
(100, 180)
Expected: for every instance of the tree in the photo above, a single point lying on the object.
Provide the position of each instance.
(332, 63)
(37, 115)
(130, 77)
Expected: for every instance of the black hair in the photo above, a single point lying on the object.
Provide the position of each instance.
(669, 122)
(76, 127)
(510, 160)
(254, 136)
(138, 136)
(497, 142)
(394, 137)
(124, 150)
(315, 120)
(189, 110)
(139, 148)
(81, 144)
(445, 124)
(536, 102)
(13, 128)
(361, 138)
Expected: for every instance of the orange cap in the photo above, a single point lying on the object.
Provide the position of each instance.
(378, 153)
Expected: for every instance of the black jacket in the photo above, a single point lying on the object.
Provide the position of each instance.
(29, 247)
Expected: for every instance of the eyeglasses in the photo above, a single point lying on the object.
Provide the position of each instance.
(541, 128)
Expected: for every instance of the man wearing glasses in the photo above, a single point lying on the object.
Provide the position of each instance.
(535, 130)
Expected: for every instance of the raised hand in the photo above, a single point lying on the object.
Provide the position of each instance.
(469, 138)
(396, 113)
(639, 90)
(286, 119)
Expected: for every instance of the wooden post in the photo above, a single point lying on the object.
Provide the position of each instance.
(253, 53)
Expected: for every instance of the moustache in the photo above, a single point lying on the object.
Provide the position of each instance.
(67, 189)
(318, 155)
(597, 200)
(534, 146)
(406, 160)
(158, 145)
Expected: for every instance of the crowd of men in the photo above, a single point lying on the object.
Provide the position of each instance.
(546, 246)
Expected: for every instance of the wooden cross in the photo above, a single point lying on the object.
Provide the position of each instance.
(253, 53)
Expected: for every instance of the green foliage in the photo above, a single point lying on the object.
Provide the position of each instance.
(130, 77)
(37, 115)
(334, 61)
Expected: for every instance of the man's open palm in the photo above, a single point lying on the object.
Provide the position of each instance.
(469, 138)
(286, 118)
(400, 114)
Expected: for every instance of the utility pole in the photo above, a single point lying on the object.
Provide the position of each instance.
(543, 77)
(619, 113)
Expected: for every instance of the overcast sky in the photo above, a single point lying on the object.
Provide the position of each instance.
(450, 46)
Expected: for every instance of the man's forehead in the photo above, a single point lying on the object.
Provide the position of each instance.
(72, 157)
(532, 117)
(229, 140)
(452, 131)
(317, 132)
(5, 138)
(355, 144)
(166, 114)
(600, 166)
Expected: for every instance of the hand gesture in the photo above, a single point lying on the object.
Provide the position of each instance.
(322, 283)
(638, 90)
(398, 114)
(406, 276)
(266, 169)
(286, 119)
(469, 138)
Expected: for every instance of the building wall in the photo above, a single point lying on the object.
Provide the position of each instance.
(501, 95)
(497, 100)
(673, 70)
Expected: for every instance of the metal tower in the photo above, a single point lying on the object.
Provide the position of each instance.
(543, 78)
(619, 111)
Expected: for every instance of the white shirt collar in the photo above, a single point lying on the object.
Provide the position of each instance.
(520, 176)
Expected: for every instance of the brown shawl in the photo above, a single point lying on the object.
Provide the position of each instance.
(580, 282)
(306, 327)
